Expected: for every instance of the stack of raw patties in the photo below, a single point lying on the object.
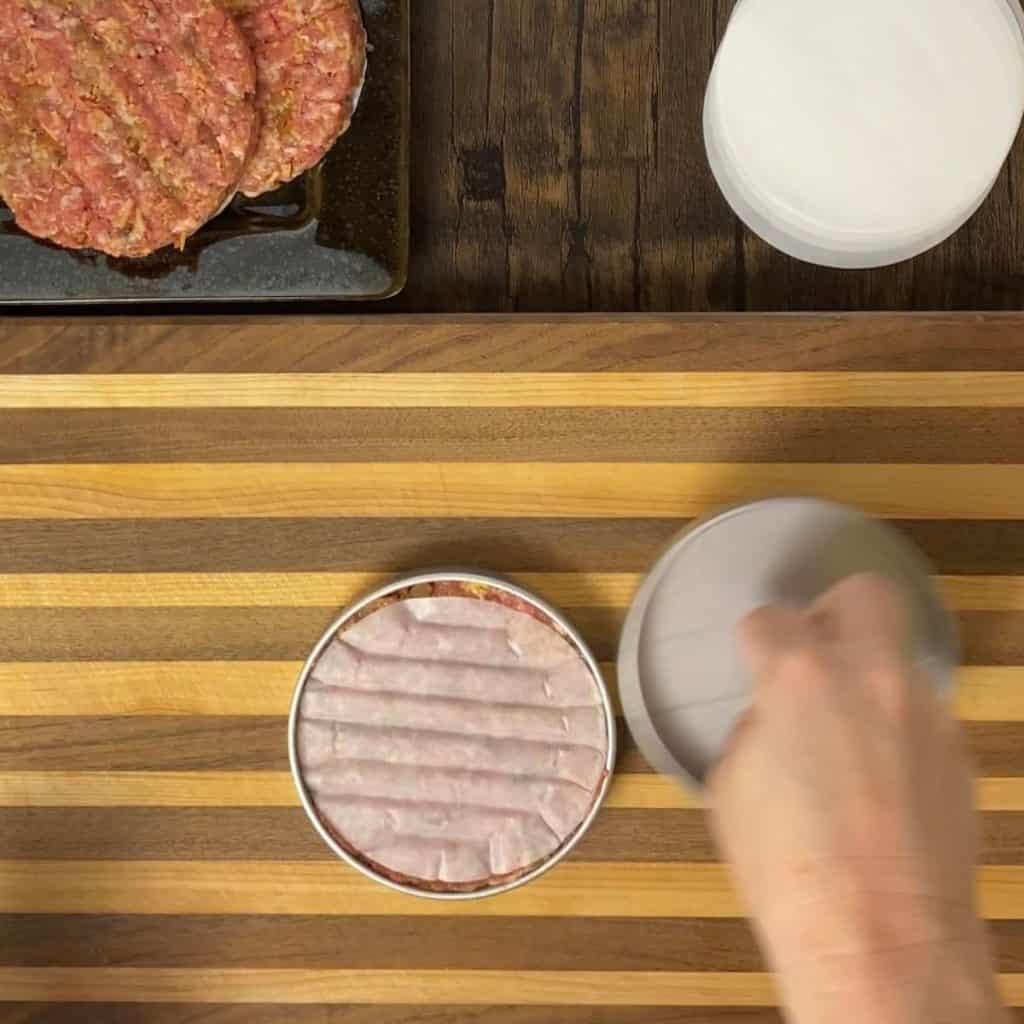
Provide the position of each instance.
(125, 125)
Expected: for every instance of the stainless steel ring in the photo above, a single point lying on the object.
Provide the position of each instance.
(452, 576)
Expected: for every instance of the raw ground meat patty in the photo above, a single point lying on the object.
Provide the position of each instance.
(452, 743)
(310, 65)
(124, 124)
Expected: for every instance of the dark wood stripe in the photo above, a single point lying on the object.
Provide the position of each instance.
(332, 545)
(273, 634)
(992, 638)
(270, 344)
(982, 547)
(416, 943)
(143, 744)
(258, 744)
(501, 435)
(149, 1013)
(159, 833)
(341, 545)
(282, 833)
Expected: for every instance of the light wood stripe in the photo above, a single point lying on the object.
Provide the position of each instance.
(158, 688)
(334, 590)
(286, 986)
(282, 589)
(651, 792)
(994, 794)
(572, 889)
(295, 986)
(985, 693)
(823, 389)
(983, 593)
(147, 789)
(628, 791)
(990, 693)
(656, 792)
(553, 490)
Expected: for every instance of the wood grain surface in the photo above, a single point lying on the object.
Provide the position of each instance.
(185, 505)
(559, 165)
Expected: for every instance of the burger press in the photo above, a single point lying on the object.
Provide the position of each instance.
(545, 612)
(682, 676)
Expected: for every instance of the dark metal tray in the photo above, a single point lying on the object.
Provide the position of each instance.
(340, 231)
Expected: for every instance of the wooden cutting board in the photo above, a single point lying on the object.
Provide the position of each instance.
(185, 505)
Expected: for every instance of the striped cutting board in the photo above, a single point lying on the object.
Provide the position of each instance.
(185, 505)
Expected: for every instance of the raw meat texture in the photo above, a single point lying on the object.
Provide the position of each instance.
(310, 66)
(124, 124)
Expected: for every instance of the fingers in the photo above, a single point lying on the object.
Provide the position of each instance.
(863, 616)
(768, 635)
(865, 612)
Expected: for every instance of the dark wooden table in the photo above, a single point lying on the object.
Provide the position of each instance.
(185, 506)
(559, 166)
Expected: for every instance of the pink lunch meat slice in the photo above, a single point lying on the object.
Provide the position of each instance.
(346, 666)
(562, 805)
(393, 709)
(452, 741)
(322, 742)
(498, 841)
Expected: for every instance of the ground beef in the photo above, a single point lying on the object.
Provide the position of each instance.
(124, 124)
(310, 65)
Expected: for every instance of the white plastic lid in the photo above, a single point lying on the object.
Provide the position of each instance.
(682, 677)
(860, 134)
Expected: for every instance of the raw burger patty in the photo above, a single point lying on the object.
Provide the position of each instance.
(124, 124)
(310, 64)
(452, 743)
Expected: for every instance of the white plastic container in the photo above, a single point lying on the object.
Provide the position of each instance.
(857, 135)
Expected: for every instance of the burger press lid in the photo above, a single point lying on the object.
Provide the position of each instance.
(682, 676)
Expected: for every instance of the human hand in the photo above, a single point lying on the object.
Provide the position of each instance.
(844, 805)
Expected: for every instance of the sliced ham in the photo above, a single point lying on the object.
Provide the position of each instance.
(391, 708)
(344, 665)
(396, 630)
(561, 804)
(495, 839)
(321, 742)
(452, 741)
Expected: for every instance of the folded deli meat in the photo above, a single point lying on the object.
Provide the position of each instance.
(453, 741)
